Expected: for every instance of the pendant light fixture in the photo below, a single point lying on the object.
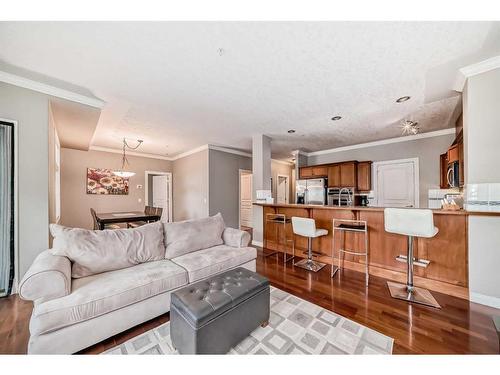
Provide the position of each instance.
(122, 172)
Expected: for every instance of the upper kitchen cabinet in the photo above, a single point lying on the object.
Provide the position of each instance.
(343, 174)
(318, 171)
(365, 176)
(348, 174)
(453, 154)
(334, 175)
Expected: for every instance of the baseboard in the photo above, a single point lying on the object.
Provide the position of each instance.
(257, 243)
(485, 300)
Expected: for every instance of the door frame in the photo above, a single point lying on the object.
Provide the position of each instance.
(287, 193)
(416, 176)
(170, 184)
(15, 281)
(241, 172)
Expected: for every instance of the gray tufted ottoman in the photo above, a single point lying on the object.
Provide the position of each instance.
(214, 315)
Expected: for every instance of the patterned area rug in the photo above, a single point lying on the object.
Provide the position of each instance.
(295, 327)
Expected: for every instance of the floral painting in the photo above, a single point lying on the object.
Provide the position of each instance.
(103, 181)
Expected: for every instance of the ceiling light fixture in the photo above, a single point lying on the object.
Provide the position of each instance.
(122, 172)
(409, 127)
(291, 131)
(336, 118)
(403, 99)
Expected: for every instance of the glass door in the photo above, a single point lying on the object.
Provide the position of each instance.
(7, 207)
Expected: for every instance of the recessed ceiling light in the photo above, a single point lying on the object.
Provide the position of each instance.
(403, 99)
(291, 131)
(336, 118)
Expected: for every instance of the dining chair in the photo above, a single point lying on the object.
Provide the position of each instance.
(96, 223)
(148, 210)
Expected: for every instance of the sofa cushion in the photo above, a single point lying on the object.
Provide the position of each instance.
(213, 260)
(96, 251)
(100, 294)
(184, 237)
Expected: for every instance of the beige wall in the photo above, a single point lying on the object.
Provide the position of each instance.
(30, 110)
(53, 144)
(224, 184)
(76, 203)
(190, 186)
(427, 150)
(278, 168)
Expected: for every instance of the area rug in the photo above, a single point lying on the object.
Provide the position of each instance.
(295, 327)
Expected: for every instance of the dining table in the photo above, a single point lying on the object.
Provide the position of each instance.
(104, 218)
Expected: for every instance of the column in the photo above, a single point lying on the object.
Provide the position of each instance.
(261, 180)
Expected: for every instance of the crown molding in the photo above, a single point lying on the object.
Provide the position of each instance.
(132, 153)
(475, 69)
(229, 151)
(190, 152)
(436, 133)
(30, 84)
(289, 163)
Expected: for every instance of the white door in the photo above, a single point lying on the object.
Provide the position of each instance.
(246, 200)
(397, 183)
(282, 190)
(160, 195)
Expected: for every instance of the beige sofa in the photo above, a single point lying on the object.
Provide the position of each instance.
(71, 313)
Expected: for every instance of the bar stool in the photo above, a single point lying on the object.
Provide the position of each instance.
(354, 226)
(277, 220)
(412, 223)
(307, 228)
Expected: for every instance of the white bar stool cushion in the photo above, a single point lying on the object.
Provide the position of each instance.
(410, 222)
(306, 227)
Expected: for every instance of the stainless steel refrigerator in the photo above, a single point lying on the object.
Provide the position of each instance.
(312, 191)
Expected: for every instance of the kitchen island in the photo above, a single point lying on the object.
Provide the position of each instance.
(447, 251)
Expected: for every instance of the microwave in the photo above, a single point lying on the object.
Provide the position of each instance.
(453, 175)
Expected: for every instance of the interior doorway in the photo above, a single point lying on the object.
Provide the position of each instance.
(282, 189)
(158, 192)
(396, 183)
(245, 201)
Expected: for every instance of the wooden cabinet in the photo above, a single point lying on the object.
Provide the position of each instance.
(306, 172)
(364, 176)
(443, 169)
(453, 154)
(343, 174)
(461, 170)
(348, 174)
(334, 175)
(318, 171)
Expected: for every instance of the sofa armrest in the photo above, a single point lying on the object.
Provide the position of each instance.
(235, 237)
(49, 277)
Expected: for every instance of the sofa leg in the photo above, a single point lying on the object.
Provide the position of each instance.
(264, 324)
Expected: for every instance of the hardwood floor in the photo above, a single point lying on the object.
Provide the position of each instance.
(459, 327)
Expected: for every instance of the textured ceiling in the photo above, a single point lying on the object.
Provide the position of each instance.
(170, 84)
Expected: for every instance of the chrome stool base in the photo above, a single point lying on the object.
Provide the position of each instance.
(310, 265)
(416, 295)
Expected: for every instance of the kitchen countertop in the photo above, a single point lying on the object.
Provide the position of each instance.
(355, 208)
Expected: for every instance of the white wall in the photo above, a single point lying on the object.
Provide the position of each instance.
(427, 150)
(30, 110)
(481, 155)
